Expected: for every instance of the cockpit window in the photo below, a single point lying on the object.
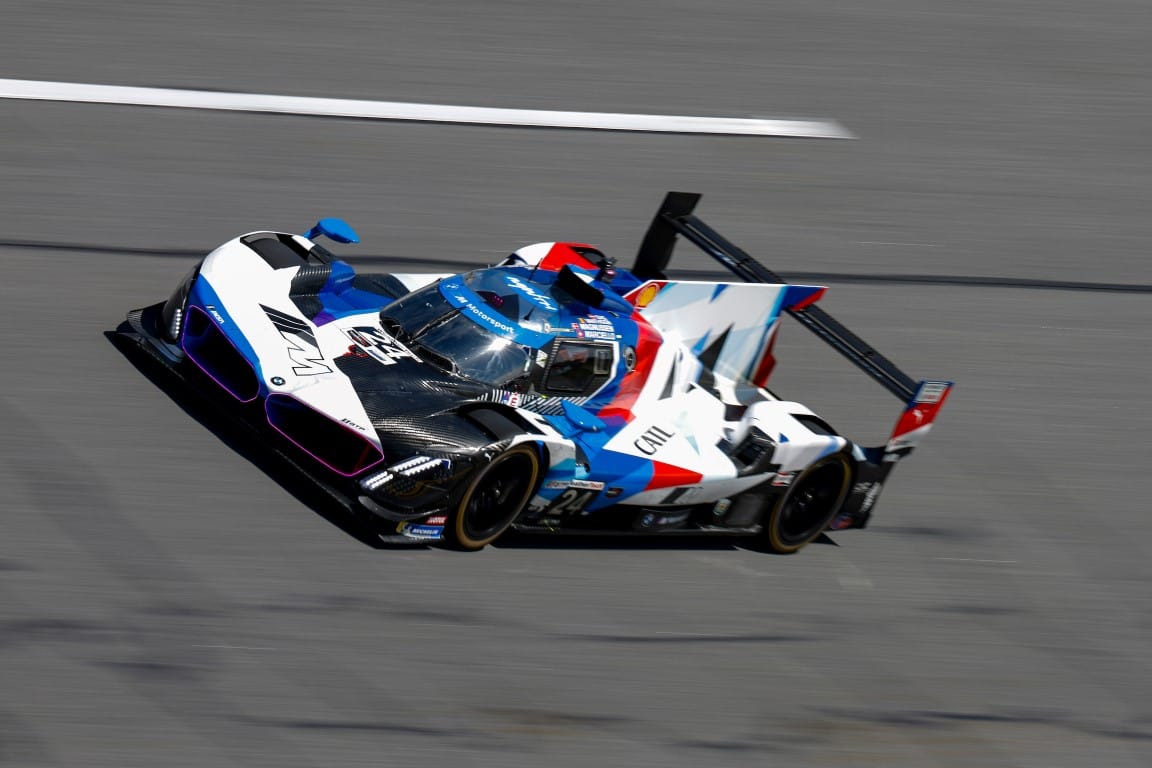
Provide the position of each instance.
(408, 316)
(506, 339)
(461, 346)
(578, 367)
(443, 336)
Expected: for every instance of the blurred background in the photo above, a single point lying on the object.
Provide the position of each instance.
(164, 602)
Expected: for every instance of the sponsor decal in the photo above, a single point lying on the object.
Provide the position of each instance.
(870, 499)
(353, 424)
(652, 440)
(510, 398)
(647, 293)
(421, 531)
(277, 381)
(381, 347)
(436, 520)
(458, 296)
(612, 493)
(721, 507)
(931, 392)
(587, 485)
(215, 313)
(537, 298)
(784, 479)
(653, 520)
(302, 347)
(488, 320)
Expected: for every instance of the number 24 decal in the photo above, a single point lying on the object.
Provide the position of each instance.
(572, 501)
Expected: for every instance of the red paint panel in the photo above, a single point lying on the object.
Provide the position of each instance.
(767, 362)
(669, 476)
(919, 415)
(563, 253)
(647, 345)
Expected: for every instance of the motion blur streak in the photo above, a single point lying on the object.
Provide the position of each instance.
(436, 113)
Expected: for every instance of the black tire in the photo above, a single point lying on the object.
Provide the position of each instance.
(494, 498)
(808, 507)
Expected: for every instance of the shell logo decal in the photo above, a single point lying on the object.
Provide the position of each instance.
(646, 294)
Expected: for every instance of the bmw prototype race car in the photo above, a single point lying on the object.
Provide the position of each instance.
(552, 392)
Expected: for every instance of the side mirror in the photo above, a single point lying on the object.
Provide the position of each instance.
(334, 229)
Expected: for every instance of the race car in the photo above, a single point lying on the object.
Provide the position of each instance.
(551, 392)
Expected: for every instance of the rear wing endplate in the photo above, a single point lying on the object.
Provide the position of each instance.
(676, 217)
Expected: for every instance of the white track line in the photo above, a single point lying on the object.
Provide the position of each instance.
(39, 90)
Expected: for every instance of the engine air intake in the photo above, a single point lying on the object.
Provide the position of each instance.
(336, 447)
(216, 355)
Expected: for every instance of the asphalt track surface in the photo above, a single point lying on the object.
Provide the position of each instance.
(164, 600)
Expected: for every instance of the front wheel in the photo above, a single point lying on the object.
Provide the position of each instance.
(495, 498)
(808, 507)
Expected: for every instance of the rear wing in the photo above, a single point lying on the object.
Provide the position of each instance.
(922, 399)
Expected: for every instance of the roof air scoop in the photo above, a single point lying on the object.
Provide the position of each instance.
(582, 291)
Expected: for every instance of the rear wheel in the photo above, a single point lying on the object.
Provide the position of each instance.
(805, 511)
(495, 498)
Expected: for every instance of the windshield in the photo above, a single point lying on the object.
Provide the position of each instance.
(449, 340)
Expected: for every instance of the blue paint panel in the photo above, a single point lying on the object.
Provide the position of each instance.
(625, 282)
(340, 299)
(340, 278)
(796, 294)
(616, 470)
(204, 296)
(456, 293)
(631, 474)
(583, 419)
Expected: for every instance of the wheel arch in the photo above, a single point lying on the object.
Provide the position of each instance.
(774, 510)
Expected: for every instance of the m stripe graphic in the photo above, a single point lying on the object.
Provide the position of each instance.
(287, 324)
(302, 346)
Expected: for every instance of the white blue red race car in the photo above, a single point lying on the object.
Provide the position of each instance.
(552, 392)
